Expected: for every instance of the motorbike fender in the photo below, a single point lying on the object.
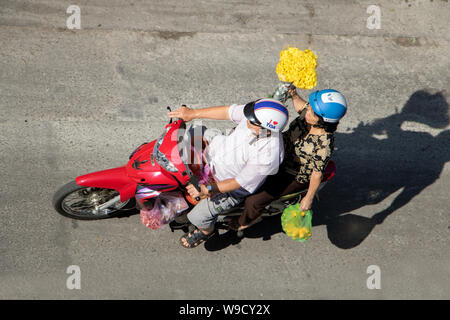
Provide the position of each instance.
(116, 179)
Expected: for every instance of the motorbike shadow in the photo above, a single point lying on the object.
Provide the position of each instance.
(264, 230)
(345, 232)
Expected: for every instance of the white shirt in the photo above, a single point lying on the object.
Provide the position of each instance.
(233, 156)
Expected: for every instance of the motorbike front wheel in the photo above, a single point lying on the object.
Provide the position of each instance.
(82, 203)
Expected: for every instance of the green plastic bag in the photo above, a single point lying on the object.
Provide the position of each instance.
(297, 224)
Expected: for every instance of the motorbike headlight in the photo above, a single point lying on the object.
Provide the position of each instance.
(162, 159)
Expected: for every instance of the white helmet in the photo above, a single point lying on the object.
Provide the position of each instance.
(267, 113)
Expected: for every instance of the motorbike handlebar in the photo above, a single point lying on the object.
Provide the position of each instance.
(170, 109)
(194, 181)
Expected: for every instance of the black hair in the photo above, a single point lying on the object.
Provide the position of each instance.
(327, 126)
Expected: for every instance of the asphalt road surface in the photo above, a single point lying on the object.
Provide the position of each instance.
(77, 101)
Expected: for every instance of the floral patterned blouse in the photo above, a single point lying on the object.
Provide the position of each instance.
(305, 152)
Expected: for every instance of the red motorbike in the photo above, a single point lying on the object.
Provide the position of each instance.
(166, 164)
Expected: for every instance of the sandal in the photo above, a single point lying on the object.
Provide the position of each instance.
(195, 238)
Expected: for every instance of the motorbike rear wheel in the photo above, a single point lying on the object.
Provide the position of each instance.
(78, 202)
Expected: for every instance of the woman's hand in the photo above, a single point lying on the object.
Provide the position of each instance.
(306, 203)
(193, 192)
(185, 113)
(292, 91)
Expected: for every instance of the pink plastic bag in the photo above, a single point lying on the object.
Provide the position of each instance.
(167, 206)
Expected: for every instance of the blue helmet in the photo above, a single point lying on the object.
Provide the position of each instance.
(329, 104)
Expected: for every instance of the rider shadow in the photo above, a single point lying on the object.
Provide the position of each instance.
(373, 162)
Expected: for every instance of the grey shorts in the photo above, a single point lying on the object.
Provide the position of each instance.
(204, 214)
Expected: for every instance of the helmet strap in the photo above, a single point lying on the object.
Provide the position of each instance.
(263, 132)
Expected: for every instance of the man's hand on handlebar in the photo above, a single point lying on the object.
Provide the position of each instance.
(185, 113)
(193, 192)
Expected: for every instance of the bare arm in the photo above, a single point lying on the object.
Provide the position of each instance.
(315, 180)
(214, 113)
(297, 101)
(227, 185)
(220, 187)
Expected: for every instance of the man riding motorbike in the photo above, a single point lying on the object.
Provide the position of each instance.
(239, 162)
(308, 144)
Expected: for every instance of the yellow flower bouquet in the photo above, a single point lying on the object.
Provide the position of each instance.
(295, 67)
(298, 67)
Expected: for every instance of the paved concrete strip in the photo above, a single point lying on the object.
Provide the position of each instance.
(78, 101)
